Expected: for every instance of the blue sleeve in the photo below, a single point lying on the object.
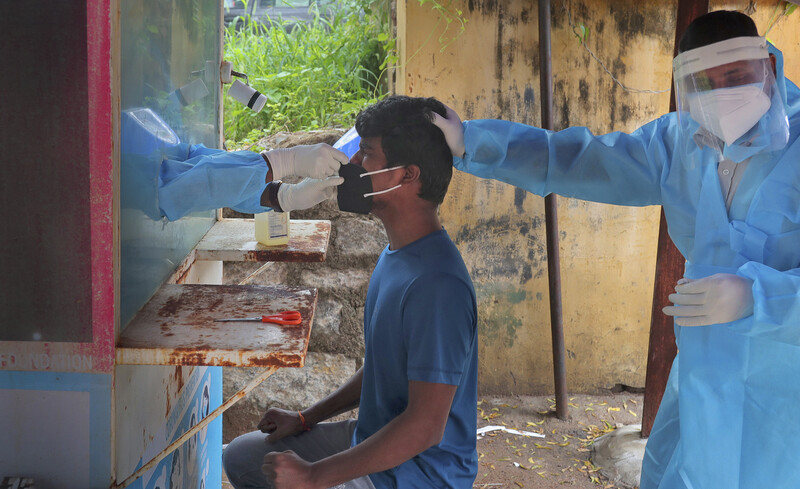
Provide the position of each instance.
(210, 179)
(776, 304)
(616, 168)
(439, 328)
(202, 150)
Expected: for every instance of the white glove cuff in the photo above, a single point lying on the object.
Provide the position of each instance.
(274, 159)
(281, 197)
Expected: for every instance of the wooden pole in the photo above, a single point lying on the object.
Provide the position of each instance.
(669, 268)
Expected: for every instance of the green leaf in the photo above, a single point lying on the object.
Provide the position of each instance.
(319, 74)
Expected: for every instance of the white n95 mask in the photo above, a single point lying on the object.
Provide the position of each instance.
(729, 113)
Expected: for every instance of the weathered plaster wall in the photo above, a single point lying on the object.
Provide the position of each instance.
(784, 34)
(607, 252)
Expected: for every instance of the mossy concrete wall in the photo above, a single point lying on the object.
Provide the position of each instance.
(607, 253)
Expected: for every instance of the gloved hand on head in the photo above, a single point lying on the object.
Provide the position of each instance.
(453, 131)
(315, 161)
(308, 193)
(717, 299)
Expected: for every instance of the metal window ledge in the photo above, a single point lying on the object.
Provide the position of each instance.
(234, 240)
(177, 327)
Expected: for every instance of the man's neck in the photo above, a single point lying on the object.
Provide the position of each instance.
(405, 226)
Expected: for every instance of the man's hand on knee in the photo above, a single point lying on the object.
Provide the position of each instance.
(280, 423)
(288, 471)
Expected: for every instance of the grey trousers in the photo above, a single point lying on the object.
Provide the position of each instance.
(244, 456)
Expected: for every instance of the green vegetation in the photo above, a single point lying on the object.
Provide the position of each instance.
(319, 74)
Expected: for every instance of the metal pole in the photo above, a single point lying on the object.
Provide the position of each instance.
(551, 220)
(669, 268)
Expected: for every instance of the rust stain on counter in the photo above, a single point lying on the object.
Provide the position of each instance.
(177, 327)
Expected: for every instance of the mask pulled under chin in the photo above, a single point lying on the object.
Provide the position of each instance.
(355, 194)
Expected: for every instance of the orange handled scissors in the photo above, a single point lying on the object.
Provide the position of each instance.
(285, 317)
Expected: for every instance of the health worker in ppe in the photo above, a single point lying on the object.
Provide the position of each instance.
(726, 169)
(247, 181)
(172, 179)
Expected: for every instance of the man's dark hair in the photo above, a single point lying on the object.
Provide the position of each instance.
(408, 137)
(715, 27)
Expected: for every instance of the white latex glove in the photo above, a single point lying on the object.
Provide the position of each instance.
(308, 193)
(315, 161)
(453, 131)
(720, 298)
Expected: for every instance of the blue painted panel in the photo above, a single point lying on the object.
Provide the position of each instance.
(25, 395)
(197, 464)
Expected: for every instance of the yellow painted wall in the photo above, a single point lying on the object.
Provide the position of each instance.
(607, 252)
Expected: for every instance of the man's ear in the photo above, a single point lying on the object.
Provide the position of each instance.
(411, 174)
(774, 61)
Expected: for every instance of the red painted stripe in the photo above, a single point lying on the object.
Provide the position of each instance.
(101, 164)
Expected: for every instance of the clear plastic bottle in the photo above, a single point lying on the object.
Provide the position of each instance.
(272, 228)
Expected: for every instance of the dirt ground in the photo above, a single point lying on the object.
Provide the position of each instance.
(561, 459)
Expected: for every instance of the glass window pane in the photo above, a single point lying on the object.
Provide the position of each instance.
(169, 92)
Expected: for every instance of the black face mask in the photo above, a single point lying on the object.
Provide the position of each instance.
(350, 194)
(355, 194)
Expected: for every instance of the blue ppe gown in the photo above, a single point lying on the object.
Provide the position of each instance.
(163, 177)
(730, 416)
(196, 178)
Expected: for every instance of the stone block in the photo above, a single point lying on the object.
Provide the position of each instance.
(328, 317)
(619, 455)
(340, 327)
(324, 278)
(289, 388)
(359, 241)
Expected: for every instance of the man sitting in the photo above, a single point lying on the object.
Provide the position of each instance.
(417, 390)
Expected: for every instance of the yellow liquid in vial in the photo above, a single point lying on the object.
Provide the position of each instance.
(272, 228)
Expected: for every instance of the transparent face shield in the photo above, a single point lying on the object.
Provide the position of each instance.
(728, 100)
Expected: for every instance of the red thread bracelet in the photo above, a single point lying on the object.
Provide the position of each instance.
(303, 421)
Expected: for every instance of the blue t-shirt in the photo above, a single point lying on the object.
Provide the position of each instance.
(420, 323)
